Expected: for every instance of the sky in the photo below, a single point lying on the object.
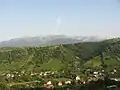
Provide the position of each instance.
(21, 18)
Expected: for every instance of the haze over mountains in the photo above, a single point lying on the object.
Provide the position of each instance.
(49, 40)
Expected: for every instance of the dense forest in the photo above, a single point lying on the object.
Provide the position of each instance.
(66, 60)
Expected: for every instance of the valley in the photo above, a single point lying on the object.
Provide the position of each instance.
(35, 66)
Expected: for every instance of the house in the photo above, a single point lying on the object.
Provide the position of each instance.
(68, 82)
(60, 83)
(77, 78)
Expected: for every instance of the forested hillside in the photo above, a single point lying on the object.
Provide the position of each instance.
(34, 66)
(88, 54)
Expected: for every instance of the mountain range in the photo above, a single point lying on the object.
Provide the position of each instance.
(48, 40)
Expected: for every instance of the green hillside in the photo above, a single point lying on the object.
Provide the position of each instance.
(60, 62)
(88, 54)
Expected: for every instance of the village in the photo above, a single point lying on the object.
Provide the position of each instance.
(51, 79)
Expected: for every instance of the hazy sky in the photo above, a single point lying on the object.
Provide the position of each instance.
(19, 18)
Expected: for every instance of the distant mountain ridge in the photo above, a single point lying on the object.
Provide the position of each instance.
(48, 40)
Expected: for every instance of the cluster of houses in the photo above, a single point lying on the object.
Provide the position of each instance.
(60, 83)
(93, 77)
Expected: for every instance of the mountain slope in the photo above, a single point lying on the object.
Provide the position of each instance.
(69, 56)
(48, 40)
(19, 65)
